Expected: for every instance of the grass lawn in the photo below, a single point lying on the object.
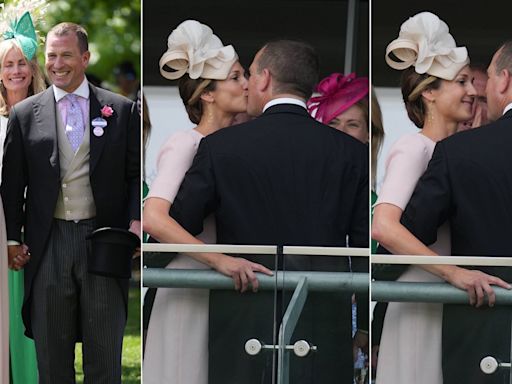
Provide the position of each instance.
(131, 344)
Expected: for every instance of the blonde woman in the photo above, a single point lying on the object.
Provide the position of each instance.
(20, 77)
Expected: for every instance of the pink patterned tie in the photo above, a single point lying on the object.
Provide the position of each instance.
(75, 122)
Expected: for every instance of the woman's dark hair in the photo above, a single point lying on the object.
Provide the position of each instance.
(413, 84)
(190, 92)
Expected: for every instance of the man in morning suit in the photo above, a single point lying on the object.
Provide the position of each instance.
(280, 179)
(75, 150)
(469, 182)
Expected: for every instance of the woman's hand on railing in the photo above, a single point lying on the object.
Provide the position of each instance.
(477, 284)
(242, 271)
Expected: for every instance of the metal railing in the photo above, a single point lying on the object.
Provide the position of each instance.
(255, 249)
(434, 292)
(441, 292)
(451, 260)
(317, 281)
(300, 281)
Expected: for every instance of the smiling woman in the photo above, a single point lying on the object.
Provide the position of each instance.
(342, 103)
(437, 98)
(16, 71)
(20, 77)
(354, 121)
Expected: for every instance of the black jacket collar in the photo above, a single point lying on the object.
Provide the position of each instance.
(286, 108)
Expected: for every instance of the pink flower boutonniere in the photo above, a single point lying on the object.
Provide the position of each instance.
(100, 123)
(107, 111)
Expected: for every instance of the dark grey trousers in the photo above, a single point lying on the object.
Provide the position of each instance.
(70, 304)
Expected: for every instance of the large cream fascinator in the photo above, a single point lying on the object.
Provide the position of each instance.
(424, 42)
(194, 49)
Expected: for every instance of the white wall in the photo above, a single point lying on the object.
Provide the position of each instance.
(395, 121)
(167, 115)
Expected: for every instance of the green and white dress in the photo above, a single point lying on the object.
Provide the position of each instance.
(12, 338)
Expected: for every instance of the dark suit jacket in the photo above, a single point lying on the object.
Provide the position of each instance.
(282, 178)
(31, 161)
(469, 182)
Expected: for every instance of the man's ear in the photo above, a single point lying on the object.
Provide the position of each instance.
(86, 56)
(265, 82)
(503, 84)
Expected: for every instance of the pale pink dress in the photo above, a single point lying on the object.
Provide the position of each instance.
(410, 349)
(177, 339)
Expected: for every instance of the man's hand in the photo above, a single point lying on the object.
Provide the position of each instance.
(477, 114)
(136, 227)
(18, 256)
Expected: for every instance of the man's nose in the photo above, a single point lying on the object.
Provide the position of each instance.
(58, 62)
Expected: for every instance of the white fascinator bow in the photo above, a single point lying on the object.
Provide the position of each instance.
(424, 42)
(193, 48)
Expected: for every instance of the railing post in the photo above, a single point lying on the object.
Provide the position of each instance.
(288, 324)
(350, 40)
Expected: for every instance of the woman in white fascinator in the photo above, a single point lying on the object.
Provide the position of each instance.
(213, 88)
(438, 93)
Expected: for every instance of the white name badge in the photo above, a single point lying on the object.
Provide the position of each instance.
(98, 131)
(99, 122)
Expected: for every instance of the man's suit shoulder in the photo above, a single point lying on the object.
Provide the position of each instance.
(264, 125)
(498, 130)
(30, 101)
(105, 94)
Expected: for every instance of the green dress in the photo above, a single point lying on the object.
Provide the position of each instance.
(23, 352)
(374, 243)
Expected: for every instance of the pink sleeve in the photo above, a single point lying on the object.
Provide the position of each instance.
(174, 160)
(406, 162)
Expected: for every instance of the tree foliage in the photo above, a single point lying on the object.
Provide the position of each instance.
(113, 27)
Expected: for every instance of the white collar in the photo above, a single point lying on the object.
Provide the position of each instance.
(82, 90)
(507, 108)
(284, 100)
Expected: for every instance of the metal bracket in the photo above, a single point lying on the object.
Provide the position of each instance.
(301, 348)
(490, 365)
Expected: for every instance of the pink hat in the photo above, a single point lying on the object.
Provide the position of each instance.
(337, 94)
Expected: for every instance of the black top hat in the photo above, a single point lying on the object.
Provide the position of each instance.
(111, 252)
